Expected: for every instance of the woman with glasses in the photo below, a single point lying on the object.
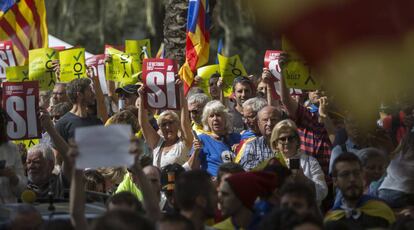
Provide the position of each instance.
(285, 142)
(167, 147)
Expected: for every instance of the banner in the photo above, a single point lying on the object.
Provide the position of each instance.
(17, 73)
(271, 62)
(7, 57)
(205, 73)
(72, 64)
(97, 63)
(230, 68)
(297, 73)
(120, 67)
(40, 67)
(21, 102)
(159, 76)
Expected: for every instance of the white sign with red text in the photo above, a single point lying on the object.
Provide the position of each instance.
(271, 62)
(21, 102)
(159, 76)
(97, 62)
(7, 58)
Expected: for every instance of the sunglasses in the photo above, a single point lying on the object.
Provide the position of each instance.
(287, 138)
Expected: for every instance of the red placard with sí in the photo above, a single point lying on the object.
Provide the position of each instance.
(159, 77)
(97, 62)
(21, 102)
(7, 57)
(271, 62)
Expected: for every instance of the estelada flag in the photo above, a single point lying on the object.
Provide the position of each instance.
(197, 42)
(24, 23)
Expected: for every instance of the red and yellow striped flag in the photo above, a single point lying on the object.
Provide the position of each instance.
(24, 23)
(198, 38)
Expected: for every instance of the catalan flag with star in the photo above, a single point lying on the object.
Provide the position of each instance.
(24, 23)
(197, 42)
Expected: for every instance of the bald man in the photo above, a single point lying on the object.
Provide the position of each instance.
(259, 150)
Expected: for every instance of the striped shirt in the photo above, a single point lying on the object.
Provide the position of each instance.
(314, 137)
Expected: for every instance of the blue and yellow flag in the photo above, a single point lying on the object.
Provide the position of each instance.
(197, 43)
(24, 23)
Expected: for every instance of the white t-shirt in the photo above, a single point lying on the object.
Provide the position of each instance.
(400, 173)
(177, 154)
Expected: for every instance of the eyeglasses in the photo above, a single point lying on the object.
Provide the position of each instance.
(347, 174)
(287, 138)
(195, 111)
(165, 123)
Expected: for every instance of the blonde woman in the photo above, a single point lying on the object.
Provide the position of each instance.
(168, 148)
(286, 143)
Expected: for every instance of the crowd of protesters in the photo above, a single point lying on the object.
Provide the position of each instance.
(248, 161)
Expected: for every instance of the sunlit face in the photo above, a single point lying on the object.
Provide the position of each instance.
(262, 88)
(229, 202)
(374, 169)
(196, 112)
(169, 127)
(216, 122)
(349, 179)
(296, 203)
(242, 93)
(288, 143)
(250, 119)
(267, 119)
(213, 89)
(38, 168)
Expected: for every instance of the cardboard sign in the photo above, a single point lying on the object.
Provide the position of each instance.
(40, 67)
(120, 67)
(72, 64)
(21, 102)
(297, 73)
(17, 73)
(271, 62)
(205, 73)
(230, 68)
(97, 63)
(159, 77)
(28, 143)
(7, 58)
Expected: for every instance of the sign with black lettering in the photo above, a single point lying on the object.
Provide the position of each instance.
(40, 67)
(21, 102)
(159, 76)
(72, 64)
(7, 58)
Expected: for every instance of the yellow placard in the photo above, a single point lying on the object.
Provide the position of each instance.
(205, 73)
(17, 73)
(296, 73)
(120, 68)
(72, 64)
(230, 68)
(135, 48)
(28, 143)
(40, 67)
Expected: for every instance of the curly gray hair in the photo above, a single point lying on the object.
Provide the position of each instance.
(216, 107)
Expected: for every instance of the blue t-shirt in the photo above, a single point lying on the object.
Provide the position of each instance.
(216, 152)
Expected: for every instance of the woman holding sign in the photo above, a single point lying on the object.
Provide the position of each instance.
(168, 148)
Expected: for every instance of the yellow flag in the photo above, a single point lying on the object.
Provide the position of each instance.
(40, 67)
(28, 143)
(205, 73)
(72, 64)
(230, 68)
(297, 74)
(136, 49)
(17, 73)
(120, 67)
